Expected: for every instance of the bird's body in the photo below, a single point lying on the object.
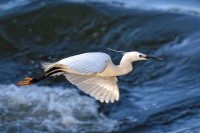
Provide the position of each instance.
(95, 63)
(94, 73)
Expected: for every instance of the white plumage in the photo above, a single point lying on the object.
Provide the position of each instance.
(87, 63)
(94, 73)
(82, 71)
(101, 88)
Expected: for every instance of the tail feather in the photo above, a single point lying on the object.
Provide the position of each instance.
(48, 65)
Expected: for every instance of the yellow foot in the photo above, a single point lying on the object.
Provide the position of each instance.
(25, 82)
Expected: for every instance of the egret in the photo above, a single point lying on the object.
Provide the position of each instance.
(93, 72)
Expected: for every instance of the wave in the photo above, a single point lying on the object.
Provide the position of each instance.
(9, 4)
(55, 109)
(188, 7)
(150, 96)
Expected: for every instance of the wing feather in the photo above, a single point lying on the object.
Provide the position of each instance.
(107, 97)
(99, 93)
(112, 96)
(101, 88)
(87, 63)
(90, 85)
(96, 89)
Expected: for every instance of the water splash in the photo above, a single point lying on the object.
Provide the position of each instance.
(54, 109)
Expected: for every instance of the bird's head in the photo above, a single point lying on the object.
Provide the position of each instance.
(137, 56)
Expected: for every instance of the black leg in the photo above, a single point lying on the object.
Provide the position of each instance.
(29, 81)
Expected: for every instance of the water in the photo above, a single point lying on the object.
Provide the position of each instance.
(56, 109)
(158, 96)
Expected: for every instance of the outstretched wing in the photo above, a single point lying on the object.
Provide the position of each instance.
(87, 63)
(101, 88)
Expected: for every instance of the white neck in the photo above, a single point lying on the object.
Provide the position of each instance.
(123, 68)
(125, 65)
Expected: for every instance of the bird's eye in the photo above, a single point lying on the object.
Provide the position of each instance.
(140, 55)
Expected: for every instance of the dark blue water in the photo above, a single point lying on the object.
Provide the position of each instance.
(157, 97)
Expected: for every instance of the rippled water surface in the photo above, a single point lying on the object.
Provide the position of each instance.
(157, 97)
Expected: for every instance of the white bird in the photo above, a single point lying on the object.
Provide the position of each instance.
(93, 72)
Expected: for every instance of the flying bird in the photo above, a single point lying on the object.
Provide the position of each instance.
(93, 72)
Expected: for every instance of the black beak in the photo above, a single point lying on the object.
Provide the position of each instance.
(153, 58)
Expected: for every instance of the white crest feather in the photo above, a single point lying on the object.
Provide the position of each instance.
(123, 52)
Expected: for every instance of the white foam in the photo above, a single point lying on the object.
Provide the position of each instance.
(55, 109)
